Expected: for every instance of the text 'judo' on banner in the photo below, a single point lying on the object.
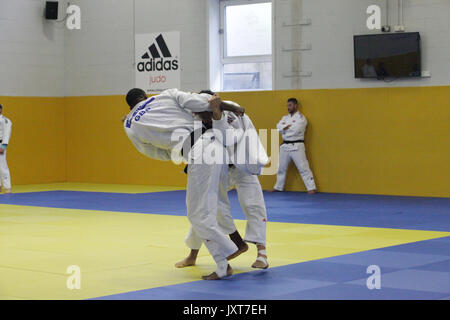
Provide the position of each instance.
(157, 61)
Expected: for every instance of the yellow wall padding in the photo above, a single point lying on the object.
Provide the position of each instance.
(37, 149)
(392, 141)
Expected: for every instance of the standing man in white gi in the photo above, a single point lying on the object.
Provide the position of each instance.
(5, 134)
(150, 126)
(292, 128)
(250, 196)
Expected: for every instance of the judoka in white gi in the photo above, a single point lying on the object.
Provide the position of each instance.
(249, 191)
(5, 134)
(150, 126)
(292, 128)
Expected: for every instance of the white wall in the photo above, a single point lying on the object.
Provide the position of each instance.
(190, 18)
(330, 34)
(100, 56)
(31, 50)
(42, 58)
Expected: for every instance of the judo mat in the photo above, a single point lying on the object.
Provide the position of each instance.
(126, 239)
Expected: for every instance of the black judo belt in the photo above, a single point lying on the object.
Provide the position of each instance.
(295, 141)
(190, 141)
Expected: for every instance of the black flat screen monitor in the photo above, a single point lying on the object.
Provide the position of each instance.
(390, 55)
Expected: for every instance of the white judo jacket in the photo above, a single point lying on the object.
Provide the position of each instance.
(150, 125)
(5, 129)
(297, 129)
(244, 147)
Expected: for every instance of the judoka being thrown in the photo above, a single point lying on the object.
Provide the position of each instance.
(150, 126)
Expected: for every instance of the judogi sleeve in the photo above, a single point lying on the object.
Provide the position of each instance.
(7, 125)
(251, 156)
(194, 102)
(280, 125)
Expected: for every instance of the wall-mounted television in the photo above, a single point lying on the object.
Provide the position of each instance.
(387, 55)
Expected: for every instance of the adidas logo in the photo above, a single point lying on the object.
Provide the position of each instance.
(162, 46)
(155, 61)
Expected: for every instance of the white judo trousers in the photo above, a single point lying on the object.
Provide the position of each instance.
(249, 189)
(297, 123)
(5, 135)
(202, 199)
(296, 153)
(5, 177)
(251, 199)
(151, 127)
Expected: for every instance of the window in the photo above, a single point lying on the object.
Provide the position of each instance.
(246, 46)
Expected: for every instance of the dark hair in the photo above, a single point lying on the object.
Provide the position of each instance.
(1, 107)
(134, 96)
(293, 100)
(207, 91)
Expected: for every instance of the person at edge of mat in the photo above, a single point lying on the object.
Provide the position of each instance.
(250, 197)
(292, 128)
(5, 134)
(150, 126)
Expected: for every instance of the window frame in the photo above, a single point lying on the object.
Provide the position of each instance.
(224, 58)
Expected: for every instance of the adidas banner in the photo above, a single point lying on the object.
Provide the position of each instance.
(157, 66)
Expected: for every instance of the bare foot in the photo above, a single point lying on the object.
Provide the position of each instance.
(275, 190)
(239, 251)
(260, 263)
(261, 259)
(312, 191)
(214, 276)
(187, 262)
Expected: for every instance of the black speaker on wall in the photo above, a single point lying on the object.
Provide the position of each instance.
(51, 10)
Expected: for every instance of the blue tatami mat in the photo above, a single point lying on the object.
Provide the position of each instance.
(324, 208)
(406, 276)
